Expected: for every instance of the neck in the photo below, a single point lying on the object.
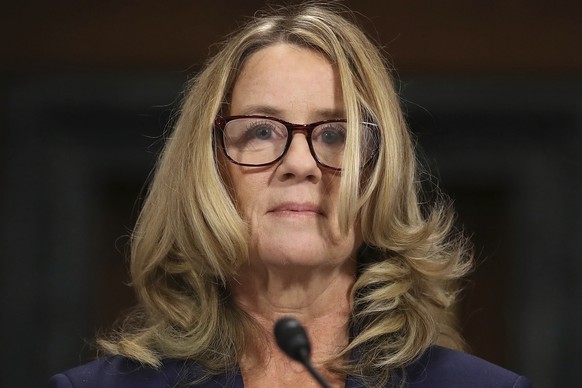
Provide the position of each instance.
(307, 292)
(317, 297)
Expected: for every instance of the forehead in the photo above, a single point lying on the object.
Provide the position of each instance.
(288, 81)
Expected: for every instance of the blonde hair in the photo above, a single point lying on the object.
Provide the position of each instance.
(190, 239)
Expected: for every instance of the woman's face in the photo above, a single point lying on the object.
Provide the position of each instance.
(291, 206)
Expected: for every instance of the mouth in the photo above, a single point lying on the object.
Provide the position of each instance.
(297, 209)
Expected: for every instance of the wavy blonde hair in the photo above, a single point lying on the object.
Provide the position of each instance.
(190, 239)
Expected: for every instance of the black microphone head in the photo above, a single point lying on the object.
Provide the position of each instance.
(292, 339)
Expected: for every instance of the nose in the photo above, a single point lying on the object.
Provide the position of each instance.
(298, 162)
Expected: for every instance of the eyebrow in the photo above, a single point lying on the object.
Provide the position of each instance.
(320, 114)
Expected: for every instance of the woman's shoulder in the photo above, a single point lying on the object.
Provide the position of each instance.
(437, 367)
(442, 367)
(117, 371)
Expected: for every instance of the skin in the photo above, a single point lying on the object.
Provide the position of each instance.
(300, 264)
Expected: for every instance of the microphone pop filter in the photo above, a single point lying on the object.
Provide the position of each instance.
(292, 339)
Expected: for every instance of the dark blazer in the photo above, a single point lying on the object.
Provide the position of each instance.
(438, 367)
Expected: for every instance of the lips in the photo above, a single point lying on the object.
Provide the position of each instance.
(298, 208)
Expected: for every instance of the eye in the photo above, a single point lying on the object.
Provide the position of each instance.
(331, 134)
(262, 132)
(331, 137)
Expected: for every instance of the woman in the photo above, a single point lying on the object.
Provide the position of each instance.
(251, 218)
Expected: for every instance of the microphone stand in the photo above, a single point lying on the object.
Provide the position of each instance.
(319, 378)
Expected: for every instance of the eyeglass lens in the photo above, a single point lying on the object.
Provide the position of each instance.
(256, 141)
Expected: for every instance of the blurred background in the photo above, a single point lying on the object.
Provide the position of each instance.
(492, 91)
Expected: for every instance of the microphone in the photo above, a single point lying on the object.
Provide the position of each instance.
(292, 339)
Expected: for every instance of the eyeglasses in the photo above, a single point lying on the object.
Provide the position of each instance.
(262, 140)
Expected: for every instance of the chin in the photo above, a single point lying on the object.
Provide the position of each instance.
(304, 254)
(307, 246)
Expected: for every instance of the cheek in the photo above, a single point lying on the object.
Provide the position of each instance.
(331, 185)
(247, 189)
(225, 174)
